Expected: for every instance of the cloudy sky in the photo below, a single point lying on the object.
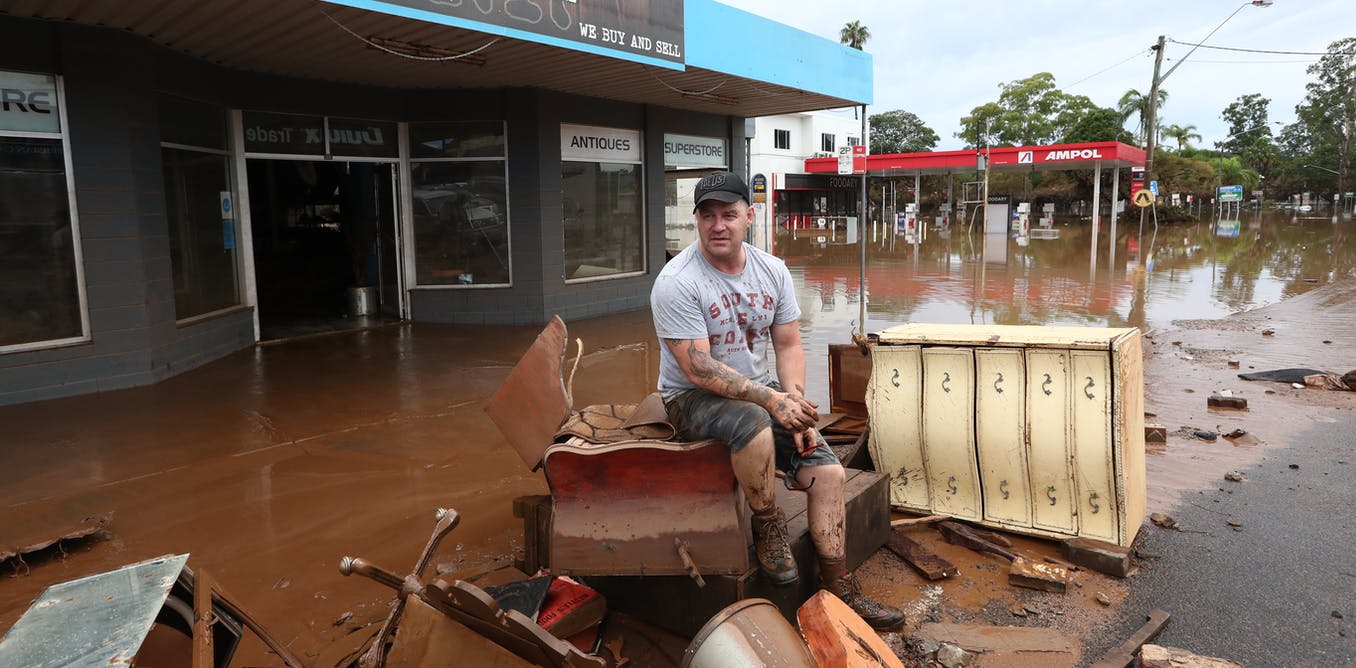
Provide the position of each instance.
(940, 58)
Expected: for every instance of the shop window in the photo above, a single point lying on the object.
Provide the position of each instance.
(602, 202)
(41, 297)
(460, 186)
(203, 232)
(826, 142)
(781, 139)
(853, 141)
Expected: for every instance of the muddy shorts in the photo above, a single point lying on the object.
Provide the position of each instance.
(698, 414)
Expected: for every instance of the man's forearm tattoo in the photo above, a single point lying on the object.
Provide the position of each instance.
(719, 377)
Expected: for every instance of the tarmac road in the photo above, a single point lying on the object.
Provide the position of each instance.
(1269, 592)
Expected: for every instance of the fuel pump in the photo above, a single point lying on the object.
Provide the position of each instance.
(1048, 219)
(1023, 219)
(911, 222)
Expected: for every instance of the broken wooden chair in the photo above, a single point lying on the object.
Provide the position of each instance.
(614, 471)
(464, 604)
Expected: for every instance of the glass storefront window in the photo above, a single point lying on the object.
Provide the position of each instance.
(461, 231)
(602, 201)
(604, 229)
(203, 246)
(39, 284)
(203, 232)
(41, 299)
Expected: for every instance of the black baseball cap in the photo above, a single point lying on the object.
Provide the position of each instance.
(720, 186)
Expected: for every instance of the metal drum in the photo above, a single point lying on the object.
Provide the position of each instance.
(751, 633)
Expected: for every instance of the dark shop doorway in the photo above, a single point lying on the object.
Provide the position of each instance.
(326, 247)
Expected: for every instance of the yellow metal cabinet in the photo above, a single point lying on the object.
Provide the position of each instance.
(949, 431)
(1051, 461)
(1000, 420)
(896, 381)
(1059, 452)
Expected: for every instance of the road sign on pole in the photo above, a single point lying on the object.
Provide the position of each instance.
(1230, 194)
(844, 159)
(1143, 198)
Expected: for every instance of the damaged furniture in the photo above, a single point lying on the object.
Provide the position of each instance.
(1037, 430)
(643, 517)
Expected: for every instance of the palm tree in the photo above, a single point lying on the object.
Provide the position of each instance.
(854, 34)
(1181, 134)
(1135, 103)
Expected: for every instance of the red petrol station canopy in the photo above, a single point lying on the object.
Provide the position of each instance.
(1112, 154)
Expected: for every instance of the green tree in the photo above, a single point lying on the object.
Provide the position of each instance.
(854, 34)
(1100, 124)
(1329, 108)
(1260, 154)
(1247, 119)
(1028, 111)
(900, 131)
(1181, 134)
(1136, 104)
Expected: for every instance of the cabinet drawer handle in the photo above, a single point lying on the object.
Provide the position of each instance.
(1092, 501)
(946, 378)
(996, 382)
(895, 378)
(1087, 389)
(1046, 385)
(1003, 487)
(1050, 493)
(951, 485)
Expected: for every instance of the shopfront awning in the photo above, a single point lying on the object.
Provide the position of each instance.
(714, 59)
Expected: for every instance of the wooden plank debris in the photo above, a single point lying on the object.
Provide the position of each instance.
(929, 564)
(1157, 656)
(1023, 572)
(915, 521)
(1099, 556)
(1121, 655)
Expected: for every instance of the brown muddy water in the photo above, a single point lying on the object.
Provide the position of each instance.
(272, 464)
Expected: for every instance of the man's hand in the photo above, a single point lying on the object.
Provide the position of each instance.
(806, 441)
(793, 411)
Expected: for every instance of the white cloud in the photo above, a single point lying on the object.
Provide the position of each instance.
(941, 59)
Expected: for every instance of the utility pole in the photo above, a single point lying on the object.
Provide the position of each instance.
(1151, 123)
(861, 230)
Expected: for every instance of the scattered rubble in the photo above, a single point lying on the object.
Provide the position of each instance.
(1233, 476)
(1156, 656)
(1163, 520)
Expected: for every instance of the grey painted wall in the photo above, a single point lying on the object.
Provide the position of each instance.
(112, 81)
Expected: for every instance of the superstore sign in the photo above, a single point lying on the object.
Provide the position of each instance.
(690, 151)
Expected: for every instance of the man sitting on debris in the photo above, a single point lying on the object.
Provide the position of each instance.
(717, 305)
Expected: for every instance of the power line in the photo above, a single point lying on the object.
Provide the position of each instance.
(1282, 53)
(1198, 61)
(1103, 71)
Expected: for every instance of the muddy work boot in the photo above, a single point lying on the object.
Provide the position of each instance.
(770, 541)
(878, 616)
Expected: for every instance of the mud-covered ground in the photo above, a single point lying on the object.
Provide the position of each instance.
(272, 464)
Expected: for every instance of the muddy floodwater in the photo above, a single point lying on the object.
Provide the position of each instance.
(272, 464)
(1171, 272)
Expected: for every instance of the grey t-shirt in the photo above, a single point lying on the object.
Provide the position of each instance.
(734, 312)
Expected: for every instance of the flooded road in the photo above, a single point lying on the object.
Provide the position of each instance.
(270, 465)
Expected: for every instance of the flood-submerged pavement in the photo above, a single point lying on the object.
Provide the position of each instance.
(270, 465)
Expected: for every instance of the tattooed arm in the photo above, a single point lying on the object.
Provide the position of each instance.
(789, 409)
